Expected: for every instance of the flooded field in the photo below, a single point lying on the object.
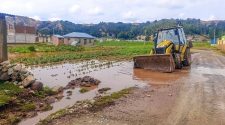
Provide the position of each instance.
(115, 75)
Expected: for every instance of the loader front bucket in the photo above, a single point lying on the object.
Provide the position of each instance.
(162, 63)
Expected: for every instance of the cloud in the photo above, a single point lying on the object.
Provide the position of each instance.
(130, 16)
(211, 17)
(95, 11)
(54, 19)
(75, 8)
(36, 17)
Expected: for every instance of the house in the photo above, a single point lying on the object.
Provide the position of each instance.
(43, 38)
(19, 33)
(57, 40)
(141, 38)
(77, 38)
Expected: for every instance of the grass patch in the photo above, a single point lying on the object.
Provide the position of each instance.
(48, 107)
(202, 45)
(53, 116)
(28, 107)
(4, 99)
(107, 100)
(13, 120)
(98, 104)
(45, 92)
(83, 90)
(7, 92)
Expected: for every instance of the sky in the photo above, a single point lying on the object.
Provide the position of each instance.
(95, 11)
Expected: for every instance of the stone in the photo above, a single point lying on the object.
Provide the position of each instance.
(21, 87)
(57, 89)
(4, 76)
(50, 100)
(16, 77)
(5, 63)
(10, 71)
(37, 86)
(28, 81)
(17, 68)
(4, 69)
(97, 82)
(69, 93)
(103, 90)
(86, 79)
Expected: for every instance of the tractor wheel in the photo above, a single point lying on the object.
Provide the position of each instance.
(187, 57)
(178, 61)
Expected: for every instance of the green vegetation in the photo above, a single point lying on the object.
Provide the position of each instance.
(111, 49)
(23, 48)
(48, 107)
(53, 116)
(83, 90)
(7, 92)
(97, 105)
(45, 92)
(107, 100)
(13, 120)
(28, 107)
(131, 31)
(202, 45)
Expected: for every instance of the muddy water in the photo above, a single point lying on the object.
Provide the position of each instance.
(116, 75)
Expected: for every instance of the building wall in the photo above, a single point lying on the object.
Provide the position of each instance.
(82, 41)
(25, 38)
(19, 33)
(44, 39)
(57, 41)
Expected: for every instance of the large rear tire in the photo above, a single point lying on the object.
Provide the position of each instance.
(187, 57)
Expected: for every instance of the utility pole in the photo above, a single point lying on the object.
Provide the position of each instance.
(214, 42)
(3, 39)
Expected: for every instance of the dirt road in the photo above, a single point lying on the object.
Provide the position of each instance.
(194, 96)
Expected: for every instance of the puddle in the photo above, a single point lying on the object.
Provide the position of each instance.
(211, 71)
(158, 78)
(116, 75)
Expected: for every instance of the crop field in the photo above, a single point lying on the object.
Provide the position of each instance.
(43, 53)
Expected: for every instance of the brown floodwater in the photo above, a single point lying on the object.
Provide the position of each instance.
(116, 75)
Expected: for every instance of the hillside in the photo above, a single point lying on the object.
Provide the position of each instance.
(124, 30)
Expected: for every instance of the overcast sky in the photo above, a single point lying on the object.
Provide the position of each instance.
(95, 11)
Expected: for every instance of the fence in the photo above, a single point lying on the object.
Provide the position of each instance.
(221, 45)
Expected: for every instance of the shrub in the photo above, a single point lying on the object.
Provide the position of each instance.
(31, 49)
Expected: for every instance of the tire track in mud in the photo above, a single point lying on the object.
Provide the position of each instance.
(201, 101)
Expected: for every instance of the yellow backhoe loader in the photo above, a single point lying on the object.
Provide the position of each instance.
(171, 51)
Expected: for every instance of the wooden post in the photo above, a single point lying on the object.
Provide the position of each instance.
(3, 39)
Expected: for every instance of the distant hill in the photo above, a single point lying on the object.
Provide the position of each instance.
(124, 30)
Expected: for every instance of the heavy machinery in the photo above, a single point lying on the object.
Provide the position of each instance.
(171, 51)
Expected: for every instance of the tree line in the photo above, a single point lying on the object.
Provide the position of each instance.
(122, 30)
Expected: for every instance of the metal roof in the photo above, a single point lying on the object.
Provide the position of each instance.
(79, 35)
(58, 36)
